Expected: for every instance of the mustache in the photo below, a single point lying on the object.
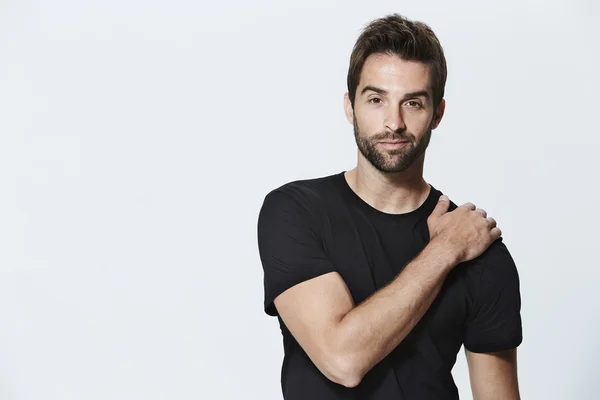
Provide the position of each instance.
(403, 136)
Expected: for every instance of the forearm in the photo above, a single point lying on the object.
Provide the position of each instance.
(370, 331)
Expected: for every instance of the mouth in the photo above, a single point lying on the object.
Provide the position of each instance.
(393, 144)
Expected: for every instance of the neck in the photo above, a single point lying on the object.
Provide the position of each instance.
(392, 193)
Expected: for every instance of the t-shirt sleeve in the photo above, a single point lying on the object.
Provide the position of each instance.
(289, 244)
(494, 323)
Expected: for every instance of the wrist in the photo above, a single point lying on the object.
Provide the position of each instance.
(446, 256)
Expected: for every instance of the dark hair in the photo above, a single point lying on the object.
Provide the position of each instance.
(409, 40)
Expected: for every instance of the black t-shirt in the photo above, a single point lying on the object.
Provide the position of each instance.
(312, 227)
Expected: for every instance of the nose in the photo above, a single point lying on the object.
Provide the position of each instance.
(394, 120)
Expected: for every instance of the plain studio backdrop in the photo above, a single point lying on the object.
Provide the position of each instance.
(139, 138)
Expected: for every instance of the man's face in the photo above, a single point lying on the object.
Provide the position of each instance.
(393, 113)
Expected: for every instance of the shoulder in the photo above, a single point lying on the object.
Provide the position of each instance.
(497, 259)
(303, 195)
(493, 270)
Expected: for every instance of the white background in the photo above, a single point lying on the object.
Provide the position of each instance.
(139, 138)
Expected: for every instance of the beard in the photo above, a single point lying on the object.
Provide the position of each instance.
(396, 160)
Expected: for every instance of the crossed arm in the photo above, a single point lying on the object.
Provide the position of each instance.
(345, 341)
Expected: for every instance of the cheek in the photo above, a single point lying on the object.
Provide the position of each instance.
(418, 124)
(369, 122)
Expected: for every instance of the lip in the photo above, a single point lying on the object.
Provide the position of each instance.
(393, 145)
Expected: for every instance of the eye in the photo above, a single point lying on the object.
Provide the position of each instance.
(414, 104)
(375, 100)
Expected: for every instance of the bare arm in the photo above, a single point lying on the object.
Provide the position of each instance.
(493, 375)
(344, 341)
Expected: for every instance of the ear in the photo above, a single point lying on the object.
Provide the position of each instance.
(439, 114)
(348, 109)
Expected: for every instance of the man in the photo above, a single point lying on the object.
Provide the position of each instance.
(376, 278)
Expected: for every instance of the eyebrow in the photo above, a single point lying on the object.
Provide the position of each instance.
(420, 93)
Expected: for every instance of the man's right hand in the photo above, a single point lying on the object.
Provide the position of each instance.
(465, 232)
